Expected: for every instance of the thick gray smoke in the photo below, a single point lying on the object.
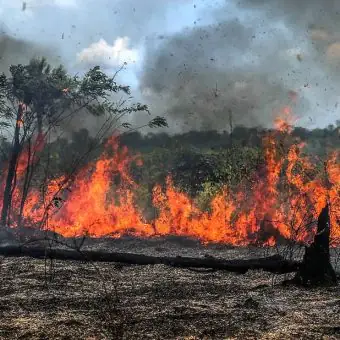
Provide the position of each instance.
(276, 54)
(15, 51)
(247, 68)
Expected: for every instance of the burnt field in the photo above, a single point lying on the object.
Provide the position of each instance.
(77, 300)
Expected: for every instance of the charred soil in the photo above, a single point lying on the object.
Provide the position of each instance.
(73, 300)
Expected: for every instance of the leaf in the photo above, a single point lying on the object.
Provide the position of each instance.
(98, 109)
(158, 122)
(127, 125)
(4, 124)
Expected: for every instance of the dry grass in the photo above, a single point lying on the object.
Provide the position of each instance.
(155, 302)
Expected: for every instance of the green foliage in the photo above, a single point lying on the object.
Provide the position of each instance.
(5, 113)
(37, 85)
(317, 140)
(51, 95)
(191, 169)
(208, 192)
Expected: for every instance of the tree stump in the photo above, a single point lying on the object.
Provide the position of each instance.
(316, 268)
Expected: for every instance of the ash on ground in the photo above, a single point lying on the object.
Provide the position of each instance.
(73, 300)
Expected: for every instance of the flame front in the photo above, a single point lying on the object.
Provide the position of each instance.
(283, 201)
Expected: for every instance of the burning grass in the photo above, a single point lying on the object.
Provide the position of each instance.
(156, 302)
(282, 200)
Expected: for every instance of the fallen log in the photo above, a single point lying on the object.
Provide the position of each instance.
(273, 264)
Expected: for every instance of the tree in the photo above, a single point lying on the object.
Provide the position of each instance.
(38, 99)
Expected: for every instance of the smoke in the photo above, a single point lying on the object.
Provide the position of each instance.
(16, 51)
(318, 20)
(248, 68)
(109, 56)
(198, 77)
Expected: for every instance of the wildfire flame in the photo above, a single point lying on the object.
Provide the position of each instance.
(283, 201)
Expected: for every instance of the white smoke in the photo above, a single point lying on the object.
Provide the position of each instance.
(109, 55)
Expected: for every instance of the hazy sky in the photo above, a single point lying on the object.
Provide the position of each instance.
(195, 61)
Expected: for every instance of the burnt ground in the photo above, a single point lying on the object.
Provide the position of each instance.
(73, 300)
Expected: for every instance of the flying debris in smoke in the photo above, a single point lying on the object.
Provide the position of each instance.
(259, 64)
(210, 84)
(16, 51)
(200, 73)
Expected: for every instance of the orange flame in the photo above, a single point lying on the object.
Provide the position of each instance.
(283, 201)
(285, 121)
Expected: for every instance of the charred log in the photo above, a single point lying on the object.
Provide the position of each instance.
(274, 264)
(316, 268)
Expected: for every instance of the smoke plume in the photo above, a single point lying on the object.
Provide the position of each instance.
(275, 53)
(16, 51)
(248, 68)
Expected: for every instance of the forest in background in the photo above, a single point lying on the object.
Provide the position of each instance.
(200, 163)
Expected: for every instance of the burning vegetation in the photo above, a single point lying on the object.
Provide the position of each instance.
(111, 231)
(285, 196)
(281, 200)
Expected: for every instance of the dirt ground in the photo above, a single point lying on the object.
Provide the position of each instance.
(69, 300)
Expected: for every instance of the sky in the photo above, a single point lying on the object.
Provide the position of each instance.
(194, 61)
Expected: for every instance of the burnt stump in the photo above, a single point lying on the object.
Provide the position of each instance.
(316, 268)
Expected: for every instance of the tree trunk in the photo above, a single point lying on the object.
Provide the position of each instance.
(274, 264)
(27, 180)
(40, 122)
(16, 149)
(316, 268)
